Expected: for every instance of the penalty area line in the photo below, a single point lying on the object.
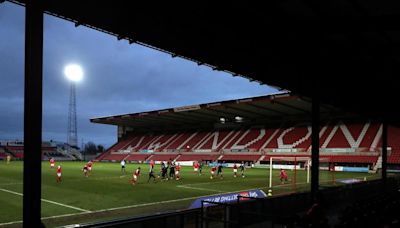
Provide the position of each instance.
(123, 207)
(149, 204)
(47, 201)
(195, 188)
(11, 183)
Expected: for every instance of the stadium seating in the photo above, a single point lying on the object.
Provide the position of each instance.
(394, 158)
(177, 144)
(353, 159)
(162, 157)
(190, 144)
(2, 153)
(294, 135)
(114, 157)
(370, 135)
(137, 157)
(198, 157)
(241, 157)
(254, 142)
(257, 145)
(250, 135)
(16, 151)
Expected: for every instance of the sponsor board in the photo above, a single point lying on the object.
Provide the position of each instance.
(185, 163)
(355, 169)
(277, 166)
(187, 108)
(211, 164)
(349, 181)
(339, 168)
(227, 198)
(338, 150)
(285, 150)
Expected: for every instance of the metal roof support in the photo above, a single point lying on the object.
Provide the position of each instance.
(131, 41)
(265, 108)
(247, 111)
(315, 144)
(33, 113)
(290, 106)
(384, 150)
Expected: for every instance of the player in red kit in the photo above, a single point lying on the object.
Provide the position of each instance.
(89, 167)
(135, 176)
(234, 170)
(59, 174)
(177, 171)
(213, 169)
(85, 170)
(283, 176)
(52, 162)
(195, 167)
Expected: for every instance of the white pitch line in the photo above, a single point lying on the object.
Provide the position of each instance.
(65, 205)
(11, 183)
(124, 207)
(10, 223)
(217, 182)
(202, 189)
(149, 204)
(47, 201)
(96, 178)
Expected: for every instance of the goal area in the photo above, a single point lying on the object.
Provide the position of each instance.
(298, 171)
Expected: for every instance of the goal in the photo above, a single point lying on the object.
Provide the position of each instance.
(299, 172)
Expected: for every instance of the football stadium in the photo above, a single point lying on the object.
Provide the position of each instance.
(323, 151)
(252, 132)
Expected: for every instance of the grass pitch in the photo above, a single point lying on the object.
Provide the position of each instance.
(108, 194)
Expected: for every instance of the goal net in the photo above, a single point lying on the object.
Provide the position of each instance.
(292, 174)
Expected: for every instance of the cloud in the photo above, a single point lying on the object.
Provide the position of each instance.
(119, 78)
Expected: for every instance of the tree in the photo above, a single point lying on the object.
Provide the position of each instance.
(100, 148)
(90, 148)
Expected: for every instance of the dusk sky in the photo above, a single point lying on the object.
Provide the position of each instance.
(118, 78)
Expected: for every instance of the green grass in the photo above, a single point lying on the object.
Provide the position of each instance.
(107, 188)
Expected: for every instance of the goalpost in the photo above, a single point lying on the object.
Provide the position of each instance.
(303, 164)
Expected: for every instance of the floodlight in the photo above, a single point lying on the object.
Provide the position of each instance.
(238, 118)
(73, 72)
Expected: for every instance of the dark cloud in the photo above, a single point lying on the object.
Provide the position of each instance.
(119, 78)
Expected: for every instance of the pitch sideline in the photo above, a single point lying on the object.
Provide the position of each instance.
(148, 204)
(47, 201)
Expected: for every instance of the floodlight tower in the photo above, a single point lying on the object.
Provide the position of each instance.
(74, 73)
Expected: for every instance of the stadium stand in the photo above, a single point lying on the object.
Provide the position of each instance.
(162, 157)
(16, 151)
(115, 157)
(49, 150)
(340, 142)
(241, 157)
(137, 157)
(2, 153)
(198, 157)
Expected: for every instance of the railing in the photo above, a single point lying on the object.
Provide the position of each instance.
(178, 219)
(215, 216)
(265, 212)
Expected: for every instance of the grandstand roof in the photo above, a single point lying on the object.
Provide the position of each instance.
(263, 110)
(352, 48)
